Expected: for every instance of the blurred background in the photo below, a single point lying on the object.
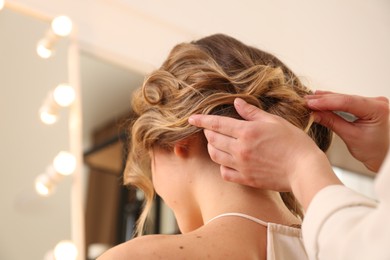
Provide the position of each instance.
(339, 46)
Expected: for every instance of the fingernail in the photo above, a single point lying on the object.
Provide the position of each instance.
(311, 102)
(191, 120)
(238, 102)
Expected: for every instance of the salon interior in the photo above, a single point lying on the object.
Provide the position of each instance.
(62, 160)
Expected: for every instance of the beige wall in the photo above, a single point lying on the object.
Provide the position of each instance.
(339, 45)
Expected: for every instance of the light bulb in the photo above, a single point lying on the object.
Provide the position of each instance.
(47, 117)
(62, 25)
(43, 185)
(97, 249)
(140, 195)
(64, 95)
(64, 163)
(43, 51)
(2, 3)
(65, 250)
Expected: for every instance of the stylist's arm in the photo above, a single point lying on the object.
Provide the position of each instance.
(267, 152)
(339, 223)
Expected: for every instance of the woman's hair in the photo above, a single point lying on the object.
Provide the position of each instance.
(204, 77)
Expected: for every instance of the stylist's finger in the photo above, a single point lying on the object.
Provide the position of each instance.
(340, 126)
(326, 92)
(247, 111)
(223, 125)
(219, 147)
(230, 174)
(219, 141)
(362, 107)
(323, 92)
(383, 99)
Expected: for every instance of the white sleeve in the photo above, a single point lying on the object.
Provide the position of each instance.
(343, 224)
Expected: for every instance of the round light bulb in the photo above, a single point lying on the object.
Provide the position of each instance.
(65, 250)
(2, 3)
(140, 195)
(64, 95)
(43, 186)
(97, 249)
(47, 117)
(64, 163)
(43, 51)
(62, 25)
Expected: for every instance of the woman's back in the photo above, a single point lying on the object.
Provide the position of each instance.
(228, 237)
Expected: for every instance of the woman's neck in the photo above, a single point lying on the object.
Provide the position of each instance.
(263, 204)
(214, 196)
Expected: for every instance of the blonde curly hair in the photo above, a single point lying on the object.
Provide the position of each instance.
(204, 77)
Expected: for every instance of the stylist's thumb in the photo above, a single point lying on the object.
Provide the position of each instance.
(247, 111)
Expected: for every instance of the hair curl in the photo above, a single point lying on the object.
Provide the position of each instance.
(204, 77)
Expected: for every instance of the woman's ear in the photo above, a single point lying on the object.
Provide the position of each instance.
(181, 149)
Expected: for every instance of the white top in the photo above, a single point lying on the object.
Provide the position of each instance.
(343, 224)
(283, 242)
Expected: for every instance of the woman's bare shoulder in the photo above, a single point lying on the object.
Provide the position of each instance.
(155, 247)
(211, 242)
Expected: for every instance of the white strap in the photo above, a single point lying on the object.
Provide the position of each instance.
(259, 221)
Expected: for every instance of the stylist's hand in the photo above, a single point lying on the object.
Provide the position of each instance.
(367, 138)
(261, 151)
(265, 151)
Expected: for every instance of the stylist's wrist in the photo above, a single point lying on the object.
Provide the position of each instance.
(311, 174)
